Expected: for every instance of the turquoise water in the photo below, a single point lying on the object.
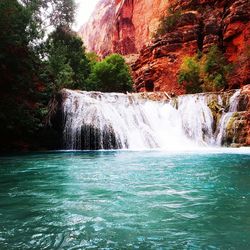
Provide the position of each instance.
(125, 200)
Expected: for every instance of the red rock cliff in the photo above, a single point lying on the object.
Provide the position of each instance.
(202, 23)
(126, 27)
(97, 34)
(122, 26)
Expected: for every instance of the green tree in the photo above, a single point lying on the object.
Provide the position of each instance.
(110, 75)
(93, 58)
(215, 70)
(205, 73)
(52, 13)
(67, 62)
(22, 97)
(18, 67)
(189, 75)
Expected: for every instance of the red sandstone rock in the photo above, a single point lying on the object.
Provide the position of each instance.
(236, 36)
(122, 26)
(201, 25)
(159, 63)
(126, 27)
(97, 34)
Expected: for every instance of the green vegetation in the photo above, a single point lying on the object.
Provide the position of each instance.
(205, 73)
(110, 75)
(35, 64)
(93, 58)
(21, 105)
(67, 62)
(190, 75)
(168, 22)
(215, 70)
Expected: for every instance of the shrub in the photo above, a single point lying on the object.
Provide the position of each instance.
(110, 75)
(215, 70)
(189, 75)
(168, 23)
(92, 57)
(205, 73)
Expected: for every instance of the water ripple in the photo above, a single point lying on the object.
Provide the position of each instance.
(125, 200)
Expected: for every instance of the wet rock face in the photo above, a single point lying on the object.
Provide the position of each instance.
(245, 105)
(93, 138)
(237, 131)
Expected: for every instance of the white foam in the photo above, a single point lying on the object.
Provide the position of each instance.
(111, 121)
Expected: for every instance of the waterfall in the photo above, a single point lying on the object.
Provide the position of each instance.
(226, 117)
(94, 120)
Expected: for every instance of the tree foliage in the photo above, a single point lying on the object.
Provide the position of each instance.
(207, 72)
(18, 67)
(23, 98)
(215, 70)
(93, 58)
(67, 62)
(52, 13)
(168, 22)
(190, 75)
(110, 75)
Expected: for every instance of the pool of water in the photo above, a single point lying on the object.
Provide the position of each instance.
(125, 200)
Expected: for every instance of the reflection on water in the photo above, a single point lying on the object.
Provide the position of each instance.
(125, 200)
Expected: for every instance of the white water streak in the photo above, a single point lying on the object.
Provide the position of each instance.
(226, 116)
(111, 120)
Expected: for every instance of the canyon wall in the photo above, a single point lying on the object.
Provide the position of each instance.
(127, 27)
(122, 26)
(200, 25)
(97, 34)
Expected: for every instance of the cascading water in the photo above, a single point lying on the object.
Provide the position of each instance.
(96, 120)
(226, 116)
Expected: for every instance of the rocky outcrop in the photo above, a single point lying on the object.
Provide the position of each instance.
(231, 113)
(122, 26)
(202, 23)
(158, 64)
(236, 40)
(238, 128)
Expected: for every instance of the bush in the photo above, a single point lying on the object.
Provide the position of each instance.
(215, 70)
(205, 73)
(110, 75)
(167, 23)
(93, 58)
(190, 75)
